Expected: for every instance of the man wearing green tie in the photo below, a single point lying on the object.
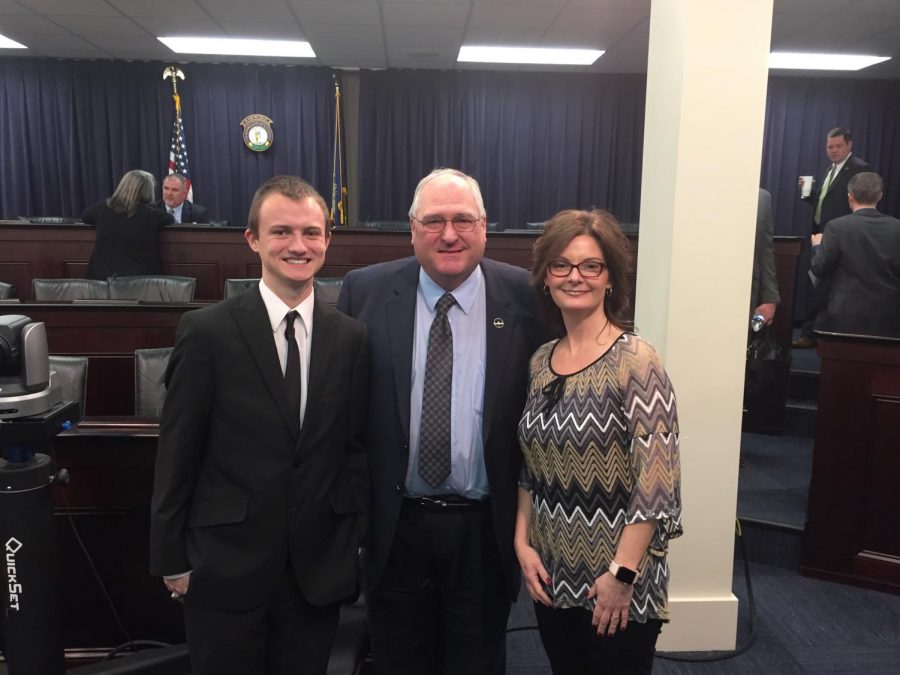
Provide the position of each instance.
(829, 201)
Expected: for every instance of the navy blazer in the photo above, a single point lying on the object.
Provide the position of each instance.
(190, 212)
(384, 297)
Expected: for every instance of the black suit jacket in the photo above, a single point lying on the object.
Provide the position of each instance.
(860, 253)
(240, 489)
(835, 203)
(190, 212)
(384, 297)
(124, 246)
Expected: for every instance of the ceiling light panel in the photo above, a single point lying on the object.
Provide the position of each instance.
(528, 55)
(238, 46)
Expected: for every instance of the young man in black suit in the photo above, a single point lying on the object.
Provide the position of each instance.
(260, 492)
(451, 334)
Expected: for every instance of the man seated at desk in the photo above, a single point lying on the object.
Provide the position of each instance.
(175, 201)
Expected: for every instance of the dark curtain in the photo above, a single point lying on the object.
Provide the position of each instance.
(70, 129)
(800, 112)
(536, 142)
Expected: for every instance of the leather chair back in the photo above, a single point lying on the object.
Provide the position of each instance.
(152, 288)
(149, 386)
(66, 290)
(237, 286)
(7, 291)
(71, 374)
(329, 289)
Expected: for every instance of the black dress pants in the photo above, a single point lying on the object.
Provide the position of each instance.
(442, 604)
(283, 635)
(574, 648)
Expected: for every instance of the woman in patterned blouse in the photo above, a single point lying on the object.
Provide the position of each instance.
(599, 497)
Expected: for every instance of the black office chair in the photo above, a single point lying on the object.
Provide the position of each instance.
(7, 291)
(392, 225)
(535, 226)
(71, 375)
(66, 290)
(50, 220)
(149, 386)
(152, 288)
(328, 289)
(237, 286)
(494, 227)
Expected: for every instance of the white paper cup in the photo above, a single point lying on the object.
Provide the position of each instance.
(806, 187)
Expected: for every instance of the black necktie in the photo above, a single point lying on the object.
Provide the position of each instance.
(292, 368)
(434, 431)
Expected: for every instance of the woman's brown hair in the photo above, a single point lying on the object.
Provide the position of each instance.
(602, 226)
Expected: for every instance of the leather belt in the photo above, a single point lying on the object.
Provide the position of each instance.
(444, 503)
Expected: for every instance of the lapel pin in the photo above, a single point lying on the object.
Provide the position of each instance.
(498, 323)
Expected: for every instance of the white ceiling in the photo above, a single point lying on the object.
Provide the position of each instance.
(420, 33)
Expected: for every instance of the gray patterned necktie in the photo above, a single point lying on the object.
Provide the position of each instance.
(434, 433)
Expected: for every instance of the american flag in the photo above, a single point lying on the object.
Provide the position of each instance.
(178, 159)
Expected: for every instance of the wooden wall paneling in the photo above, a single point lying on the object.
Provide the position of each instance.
(19, 274)
(108, 498)
(851, 530)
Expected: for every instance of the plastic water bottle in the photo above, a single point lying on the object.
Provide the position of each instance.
(757, 321)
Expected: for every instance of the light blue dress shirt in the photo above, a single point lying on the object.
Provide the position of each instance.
(468, 476)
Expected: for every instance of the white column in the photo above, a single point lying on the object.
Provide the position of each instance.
(706, 90)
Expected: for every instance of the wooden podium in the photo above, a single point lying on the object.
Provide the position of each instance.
(853, 521)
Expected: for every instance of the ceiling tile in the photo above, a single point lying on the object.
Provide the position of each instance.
(65, 43)
(28, 24)
(160, 26)
(438, 14)
(337, 11)
(594, 25)
(12, 7)
(220, 10)
(785, 24)
(331, 50)
(523, 3)
(263, 27)
(512, 16)
(343, 33)
(635, 40)
(423, 36)
(505, 35)
(111, 26)
(622, 61)
(121, 45)
(171, 11)
(82, 7)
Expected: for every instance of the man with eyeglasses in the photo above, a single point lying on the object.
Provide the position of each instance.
(451, 333)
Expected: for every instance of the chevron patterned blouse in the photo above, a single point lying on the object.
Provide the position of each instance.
(601, 452)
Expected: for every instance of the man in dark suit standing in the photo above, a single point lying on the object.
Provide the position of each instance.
(860, 253)
(260, 491)
(764, 296)
(175, 201)
(451, 334)
(829, 201)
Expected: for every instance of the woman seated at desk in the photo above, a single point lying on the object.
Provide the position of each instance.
(127, 241)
